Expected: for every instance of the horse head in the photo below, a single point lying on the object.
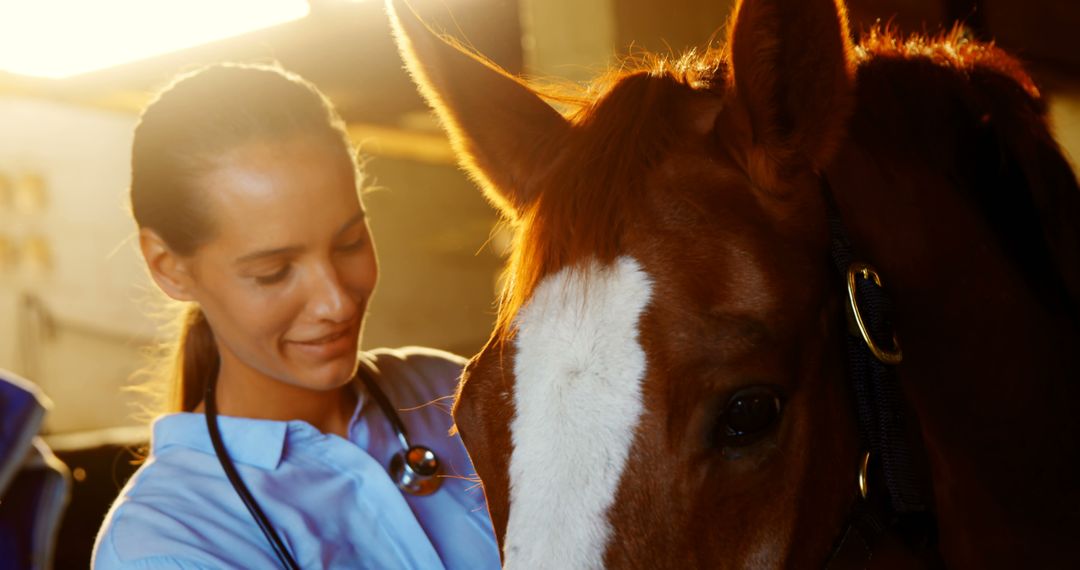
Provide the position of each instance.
(665, 386)
(660, 384)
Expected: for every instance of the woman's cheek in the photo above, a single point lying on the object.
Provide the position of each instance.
(270, 311)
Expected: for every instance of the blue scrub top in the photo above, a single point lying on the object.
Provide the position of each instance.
(330, 499)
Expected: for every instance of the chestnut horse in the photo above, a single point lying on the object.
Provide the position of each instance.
(667, 384)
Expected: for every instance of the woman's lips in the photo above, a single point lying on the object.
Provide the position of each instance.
(330, 346)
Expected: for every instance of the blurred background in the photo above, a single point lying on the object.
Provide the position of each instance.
(74, 298)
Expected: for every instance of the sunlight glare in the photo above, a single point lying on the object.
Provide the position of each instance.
(59, 38)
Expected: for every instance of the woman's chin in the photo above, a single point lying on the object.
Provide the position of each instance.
(326, 365)
(325, 374)
(335, 374)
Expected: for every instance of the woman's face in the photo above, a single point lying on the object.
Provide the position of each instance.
(285, 280)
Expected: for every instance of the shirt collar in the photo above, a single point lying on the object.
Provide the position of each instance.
(255, 442)
(259, 443)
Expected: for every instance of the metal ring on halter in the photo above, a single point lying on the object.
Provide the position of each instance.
(888, 356)
(864, 478)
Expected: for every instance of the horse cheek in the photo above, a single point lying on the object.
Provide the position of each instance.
(482, 414)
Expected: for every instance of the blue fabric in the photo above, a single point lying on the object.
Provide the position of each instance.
(22, 408)
(31, 509)
(34, 485)
(330, 498)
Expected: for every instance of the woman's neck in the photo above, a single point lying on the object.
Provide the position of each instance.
(244, 392)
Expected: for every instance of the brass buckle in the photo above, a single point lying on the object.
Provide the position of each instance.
(888, 356)
(864, 476)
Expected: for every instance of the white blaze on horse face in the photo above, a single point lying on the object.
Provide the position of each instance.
(579, 370)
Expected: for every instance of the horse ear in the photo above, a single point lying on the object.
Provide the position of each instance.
(793, 70)
(497, 126)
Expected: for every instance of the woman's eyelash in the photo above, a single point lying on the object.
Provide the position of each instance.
(284, 271)
(354, 245)
(274, 277)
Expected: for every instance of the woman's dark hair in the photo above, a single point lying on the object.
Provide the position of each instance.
(181, 136)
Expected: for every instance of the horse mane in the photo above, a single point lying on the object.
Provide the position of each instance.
(953, 49)
(622, 121)
(983, 122)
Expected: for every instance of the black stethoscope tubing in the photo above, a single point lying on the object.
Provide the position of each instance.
(242, 490)
(384, 403)
(366, 371)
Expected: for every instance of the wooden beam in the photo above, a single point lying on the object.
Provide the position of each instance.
(423, 146)
(371, 139)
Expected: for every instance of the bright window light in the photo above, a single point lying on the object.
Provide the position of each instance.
(59, 38)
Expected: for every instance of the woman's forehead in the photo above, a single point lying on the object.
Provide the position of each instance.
(281, 190)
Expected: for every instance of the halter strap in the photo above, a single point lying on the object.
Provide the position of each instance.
(878, 398)
(901, 521)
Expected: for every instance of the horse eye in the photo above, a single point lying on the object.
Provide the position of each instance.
(748, 416)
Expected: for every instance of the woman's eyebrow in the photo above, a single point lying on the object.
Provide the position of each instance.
(267, 253)
(292, 249)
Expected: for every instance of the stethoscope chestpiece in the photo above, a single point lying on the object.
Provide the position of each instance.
(416, 471)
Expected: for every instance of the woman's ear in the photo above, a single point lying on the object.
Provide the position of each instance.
(170, 271)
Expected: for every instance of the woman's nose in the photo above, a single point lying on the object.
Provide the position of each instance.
(330, 299)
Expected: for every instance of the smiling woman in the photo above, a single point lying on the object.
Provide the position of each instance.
(285, 278)
(245, 192)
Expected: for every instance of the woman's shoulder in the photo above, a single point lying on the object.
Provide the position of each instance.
(417, 374)
(145, 527)
(165, 515)
(419, 357)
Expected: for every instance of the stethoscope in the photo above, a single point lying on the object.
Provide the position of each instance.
(415, 469)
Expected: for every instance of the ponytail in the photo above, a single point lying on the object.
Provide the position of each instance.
(178, 370)
(197, 360)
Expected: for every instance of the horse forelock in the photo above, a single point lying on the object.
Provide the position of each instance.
(622, 127)
(570, 304)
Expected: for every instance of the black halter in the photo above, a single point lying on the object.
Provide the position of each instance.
(891, 517)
